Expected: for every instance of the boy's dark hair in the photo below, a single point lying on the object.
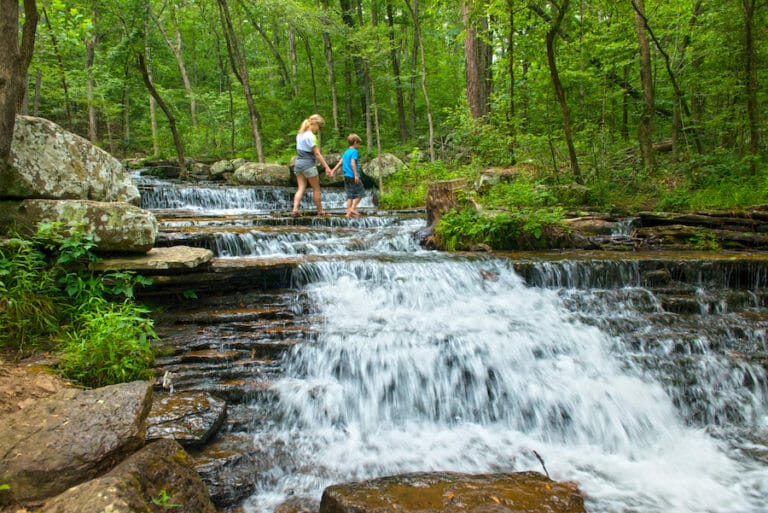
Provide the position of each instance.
(353, 138)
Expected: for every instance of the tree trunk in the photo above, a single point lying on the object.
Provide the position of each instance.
(511, 114)
(413, 7)
(294, 60)
(559, 91)
(395, 59)
(369, 99)
(176, 48)
(90, 53)
(152, 102)
(13, 68)
(241, 71)
(328, 49)
(678, 96)
(750, 76)
(36, 100)
(645, 124)
(625, 108)
(412, 88)
(476, 63)
(62, 69)
(166, 110)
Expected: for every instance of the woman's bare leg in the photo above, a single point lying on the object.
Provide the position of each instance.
(315, 183)
(301, 180)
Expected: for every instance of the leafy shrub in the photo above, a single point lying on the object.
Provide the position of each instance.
(512, 229)
(109, 344)
(30, 301)
(49, 296)
(519, 193)
(408, 187)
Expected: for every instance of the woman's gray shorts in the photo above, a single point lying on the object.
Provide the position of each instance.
(309, 172)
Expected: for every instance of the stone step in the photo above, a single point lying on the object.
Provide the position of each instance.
(233, 380)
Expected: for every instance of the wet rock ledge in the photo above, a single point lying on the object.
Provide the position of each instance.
(450, 492)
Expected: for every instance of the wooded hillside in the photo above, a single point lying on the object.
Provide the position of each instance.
(571, 85)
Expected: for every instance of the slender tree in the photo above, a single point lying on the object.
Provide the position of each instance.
(168, 114)
(413, 7)
(394, 56)
(554, 29)
(645, 124)
(679, 98)
(17, 54)
(176, 47)
(750, 81)
(241, 72)
(61, 65)
(90, 56)
(148, 69)
(511, 113)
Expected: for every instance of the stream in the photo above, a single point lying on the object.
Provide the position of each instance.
(391, 358)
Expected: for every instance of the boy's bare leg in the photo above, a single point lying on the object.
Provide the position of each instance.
(355, 203)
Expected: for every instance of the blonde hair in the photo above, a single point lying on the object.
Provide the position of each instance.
(314, 119)
(353, 138)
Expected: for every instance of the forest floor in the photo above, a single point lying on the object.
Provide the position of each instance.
(26, 381)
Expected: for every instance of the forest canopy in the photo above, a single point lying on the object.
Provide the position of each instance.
(576, 87)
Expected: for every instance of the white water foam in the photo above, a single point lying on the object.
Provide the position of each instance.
(456, 365)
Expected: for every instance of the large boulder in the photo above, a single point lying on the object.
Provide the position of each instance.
(220, 169)
(157, 478)
(254, 173)
(69, 438)
(386, 164)
(47, 162)
(450, 492)
(116, 226)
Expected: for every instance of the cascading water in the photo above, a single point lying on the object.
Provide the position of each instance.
(429, 361)
(458, 365)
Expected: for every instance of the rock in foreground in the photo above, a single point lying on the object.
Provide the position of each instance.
(450, 492)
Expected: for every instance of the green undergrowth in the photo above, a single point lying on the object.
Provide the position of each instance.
(408, 187)
(51, 301)
(530, 197)
(513, 229)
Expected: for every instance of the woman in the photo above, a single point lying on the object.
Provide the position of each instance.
(308, 153)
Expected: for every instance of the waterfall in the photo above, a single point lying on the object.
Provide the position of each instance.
(641, 378)
(459, 365)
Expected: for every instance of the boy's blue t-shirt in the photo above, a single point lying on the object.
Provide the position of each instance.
(346, 162)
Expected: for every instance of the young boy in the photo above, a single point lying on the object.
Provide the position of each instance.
(353, 184)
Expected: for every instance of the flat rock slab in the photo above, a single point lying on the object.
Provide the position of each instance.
(190, 418)
(451, 492)
(174, 257)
